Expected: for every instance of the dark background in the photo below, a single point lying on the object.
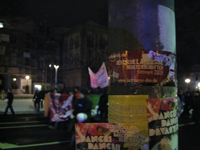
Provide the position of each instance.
(65, 13)
(69, 13)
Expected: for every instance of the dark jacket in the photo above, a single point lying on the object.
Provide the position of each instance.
(37, 96)
(42, 94)
(103, 100)
(196, 106)
(83, 105)
(10, 97)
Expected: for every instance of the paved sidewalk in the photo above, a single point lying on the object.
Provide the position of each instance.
(20, 106)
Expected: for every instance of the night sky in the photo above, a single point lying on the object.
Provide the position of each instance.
(65, 13)
(69, 13)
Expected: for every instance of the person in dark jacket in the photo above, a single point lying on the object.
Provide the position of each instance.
(9, 98)
(187, 106)
(82, 107)
(37, 100)
(103, 107)
(196, 108)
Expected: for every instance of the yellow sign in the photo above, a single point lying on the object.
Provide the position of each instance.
(127, 108)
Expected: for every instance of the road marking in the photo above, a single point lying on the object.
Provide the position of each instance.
(20, 122)
(8, 145)
(27, 126)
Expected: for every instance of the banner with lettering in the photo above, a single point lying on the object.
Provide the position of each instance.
(60, 106)
(157, 67)
(163, 123)
(99, 79)
(115, 136)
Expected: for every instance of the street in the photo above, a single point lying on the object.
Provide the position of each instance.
(20, 106)
(29, 130)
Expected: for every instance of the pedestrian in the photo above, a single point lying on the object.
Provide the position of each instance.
(196, 108)
(187, 106)
(82, 107)
(36, 99)
(103, 105)
(9, 99)
(42, 95)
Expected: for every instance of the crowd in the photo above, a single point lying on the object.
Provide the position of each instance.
(81, 105)
(191, 105)
(82, 109)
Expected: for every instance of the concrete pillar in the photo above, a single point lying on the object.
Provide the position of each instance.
(142, 62)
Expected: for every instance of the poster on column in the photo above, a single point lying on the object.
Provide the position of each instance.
(60, 106)
(162, 123)
(157, 67)
(111, 136)
(127, 108)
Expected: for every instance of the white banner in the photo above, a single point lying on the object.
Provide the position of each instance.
(100, 79)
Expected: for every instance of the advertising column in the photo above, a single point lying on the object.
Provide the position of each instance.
(142, 69)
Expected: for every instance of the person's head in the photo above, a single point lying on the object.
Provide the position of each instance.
(76, 89)
(81, 94)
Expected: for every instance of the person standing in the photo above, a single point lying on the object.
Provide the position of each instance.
(36, 99)
(196, 108)
(9, 98)
(103, 105)
(187, 106)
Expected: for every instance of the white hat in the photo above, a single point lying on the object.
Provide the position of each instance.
(81, 117)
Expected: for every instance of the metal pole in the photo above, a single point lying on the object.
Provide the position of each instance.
(55, 77)
(56, 70)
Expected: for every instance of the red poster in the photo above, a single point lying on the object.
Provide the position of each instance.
(60, 106)
(163, 123)
(115, 136)
(142, 67)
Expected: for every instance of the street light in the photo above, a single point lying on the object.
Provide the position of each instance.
(27, 78)
(187, 81)
(56, 70)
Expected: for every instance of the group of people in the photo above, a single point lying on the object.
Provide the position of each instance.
(82, 106)
(191, 101)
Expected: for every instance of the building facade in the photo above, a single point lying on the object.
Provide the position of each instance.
(26, 50)
(189, 78)
(84, 46)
